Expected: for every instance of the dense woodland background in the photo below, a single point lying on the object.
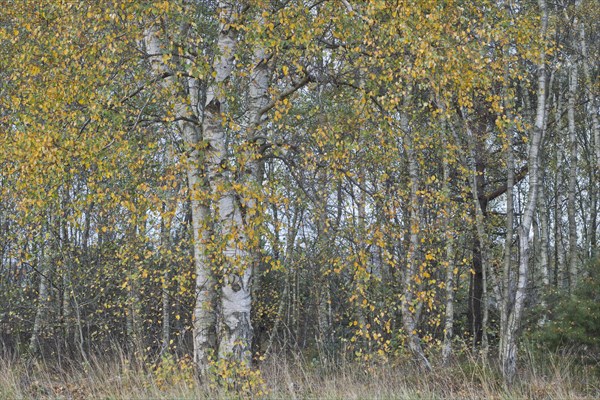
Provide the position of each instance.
(218, 185)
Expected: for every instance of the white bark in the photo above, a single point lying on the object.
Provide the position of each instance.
(560, 270)
(409, 320)
(543, 218)
(449, 230)
(593, 107)
(511, 332)
(506, 273)
(227, 215)
(165, 227)
(204, 317)
(236, 211)
(244, 250)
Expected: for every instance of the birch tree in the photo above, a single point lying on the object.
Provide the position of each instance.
(511, 329)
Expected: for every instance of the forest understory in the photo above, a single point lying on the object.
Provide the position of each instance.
(542, 375)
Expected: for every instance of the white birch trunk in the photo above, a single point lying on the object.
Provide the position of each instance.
(409, 320)
(227, 214)
(448, 228)
(560, 273)
(543, 217)
(572, 178)
(506, 273)
(239, 213)
(165, 228)
(204, 315)
(236, 211)
(511, 332)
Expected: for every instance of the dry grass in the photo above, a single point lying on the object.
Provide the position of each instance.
(550, 377)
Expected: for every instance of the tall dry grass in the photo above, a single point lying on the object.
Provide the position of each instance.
(542, 376)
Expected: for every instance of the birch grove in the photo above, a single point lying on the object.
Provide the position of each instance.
(231, 181)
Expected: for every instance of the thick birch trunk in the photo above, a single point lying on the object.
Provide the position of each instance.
(236, 211)
(205, 314)
(240, 213)
(227, 214)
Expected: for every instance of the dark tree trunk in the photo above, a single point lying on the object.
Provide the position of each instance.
(475, 312)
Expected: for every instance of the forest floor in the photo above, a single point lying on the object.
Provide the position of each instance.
(553, 377)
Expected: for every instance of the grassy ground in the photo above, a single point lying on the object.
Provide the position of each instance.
(553, 377)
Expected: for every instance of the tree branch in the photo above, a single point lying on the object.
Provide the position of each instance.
(286, 93)
(499, 191)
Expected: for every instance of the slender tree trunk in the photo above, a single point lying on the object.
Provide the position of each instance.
(450, 256)
(165, 228)
(66, 284)
(134, 309)
(288, 259)
(133, 323)
(560, 281)
(360, 200)
(572, 178)
(409, 321)
(544, 265)
(592, 104)
(478, 311)
(510, 350)
(590, 92)
(506, 273)
(477, 288)
(42, 303)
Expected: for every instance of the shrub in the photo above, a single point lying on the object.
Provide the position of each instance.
(575, 320)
